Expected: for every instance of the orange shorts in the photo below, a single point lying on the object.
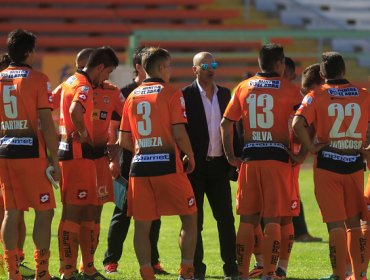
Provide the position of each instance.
(105, 190)
(265, 187)
(24, 184)
(149, 198)
(78, 185)
(340, 196)
(295, 190)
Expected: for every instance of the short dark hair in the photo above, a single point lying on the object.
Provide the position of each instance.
(289, 63)
(102, 55)
(152, 56)
(20, 42)
(311, 76)
(269, 55)
(332, 65)
(136, 59)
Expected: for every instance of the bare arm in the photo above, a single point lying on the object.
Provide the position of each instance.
(227, 136)
(125, 141)
(48, 132)
(76, 112)
(182, 140)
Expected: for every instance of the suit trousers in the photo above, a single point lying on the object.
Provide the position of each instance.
(213, 182)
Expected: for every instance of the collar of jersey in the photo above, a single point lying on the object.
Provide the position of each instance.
(268, 74)
(79, 71)
(15, 64)
(153, 80)
(337, 81)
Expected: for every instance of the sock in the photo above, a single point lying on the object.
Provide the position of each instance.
(60, 246)
(365, 232)
(356, 246)
(271, 248)
(96, 235)
(287, 240)
(338, 251)
(244, 248)
(147, 272)
(11, 260)
(258, 239)
(87, 244)
(70, 238)
(42, 263)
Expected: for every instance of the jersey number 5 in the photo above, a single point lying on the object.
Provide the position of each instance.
(262, 120)
(349, 110)
(10, 102)
(144, 127)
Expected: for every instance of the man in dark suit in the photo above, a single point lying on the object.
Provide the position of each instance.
(205, 103)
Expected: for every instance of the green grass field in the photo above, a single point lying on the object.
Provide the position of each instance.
(308, 260)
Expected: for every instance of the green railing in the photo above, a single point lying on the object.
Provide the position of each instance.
(322, 37)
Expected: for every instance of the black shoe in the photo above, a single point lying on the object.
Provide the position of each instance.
(200, 271)
(158, 269)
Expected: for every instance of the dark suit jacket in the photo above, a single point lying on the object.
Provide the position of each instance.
(197, 122)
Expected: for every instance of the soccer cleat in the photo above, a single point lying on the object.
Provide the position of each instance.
(75, 276)
(110, 268)
(158, 269)
(231, 278)
(331, 277)
(96, 276)
(2, 270)
(256, 272)
(25, 271)
(280, 273)
(307, 238)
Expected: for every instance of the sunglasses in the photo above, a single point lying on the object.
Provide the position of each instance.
(212, 65)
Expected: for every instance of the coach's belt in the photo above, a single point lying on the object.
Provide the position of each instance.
(208, 158)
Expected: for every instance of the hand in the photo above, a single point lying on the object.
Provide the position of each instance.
(56, 173)
(235, 161)
(81, 138)
(189, 163)
(113, 151)
(115, 168)
(296, 158)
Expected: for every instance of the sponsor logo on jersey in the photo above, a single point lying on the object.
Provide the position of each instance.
(343, 92)
(13, 74)
(275, 84)
(151, 158)
(103, 115)
(84, 89)
(307, 100)
(44, 198)
(82, 97)
(344, 158)
(191, 201)
(82, 194)
(103, 191)
(71, 80)
(148, 90)
(294, 205)
(63, 146)
(15, 141)
(264, 145)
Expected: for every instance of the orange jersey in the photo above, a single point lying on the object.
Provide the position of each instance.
(148, 114)
(76, 88)
(107, 100)
(24, 91)
(340, 114)
(265, 102)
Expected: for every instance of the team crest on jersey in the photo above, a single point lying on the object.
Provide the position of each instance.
(106, 99)
(275, 84)
(44, 198)
(343, 92)
(84, 89)
(82, 194)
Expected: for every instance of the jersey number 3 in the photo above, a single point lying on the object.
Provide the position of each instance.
(144, 127)
(10, 102)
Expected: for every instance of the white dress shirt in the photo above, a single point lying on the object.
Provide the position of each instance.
(213, 115)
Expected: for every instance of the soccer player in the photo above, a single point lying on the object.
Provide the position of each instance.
(27, 129)
(76, 152)
(339, 111)
(153, 128)
(120, 222)
(265, 102)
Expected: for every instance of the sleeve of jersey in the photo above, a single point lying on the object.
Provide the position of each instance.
(57, 93)
(125, 122)
(82, 94)
(177, 108)
(307, 108)
(120, 101)
(233, 110)
(45, 96)
(297, 97)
